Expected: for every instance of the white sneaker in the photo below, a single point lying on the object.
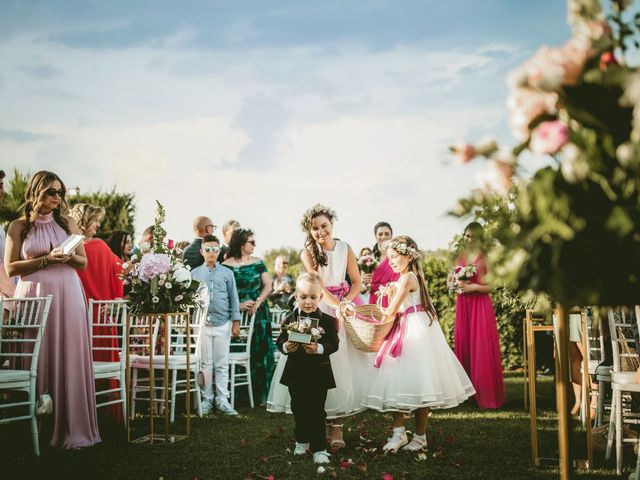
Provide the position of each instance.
(396, 441)
(206, 406)
(226, 408)
(301, 448)
(321, 457)
(418, 443)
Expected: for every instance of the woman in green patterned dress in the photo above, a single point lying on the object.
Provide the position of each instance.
(254, 287)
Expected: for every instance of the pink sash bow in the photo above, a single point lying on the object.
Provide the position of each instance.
(392, 345)
(340, 291)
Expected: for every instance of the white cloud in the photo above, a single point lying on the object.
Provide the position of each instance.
(364, 131)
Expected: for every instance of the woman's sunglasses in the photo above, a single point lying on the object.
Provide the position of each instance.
(211, 249)
(252, 242)
(52, 192)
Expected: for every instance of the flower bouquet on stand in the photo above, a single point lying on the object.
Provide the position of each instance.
(160, 333)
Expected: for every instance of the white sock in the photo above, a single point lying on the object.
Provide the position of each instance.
(420, 437)
(399, 430)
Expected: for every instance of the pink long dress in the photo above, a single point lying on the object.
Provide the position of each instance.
(382, 275)
(65, 369)
(476, 342)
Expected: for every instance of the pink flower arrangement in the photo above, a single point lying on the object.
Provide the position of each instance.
(367, 263)
(153, 264)
(549, 137)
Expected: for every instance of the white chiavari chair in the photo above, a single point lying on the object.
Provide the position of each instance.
(21, 330)
(240, 358)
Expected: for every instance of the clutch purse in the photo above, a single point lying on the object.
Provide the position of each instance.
(44, 406)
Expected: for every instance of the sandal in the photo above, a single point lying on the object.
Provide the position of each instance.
(337, 441)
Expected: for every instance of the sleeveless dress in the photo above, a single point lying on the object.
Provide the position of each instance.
(425, 374)
(477, 344)
(351, 368)
(249, 284)
(65, 369)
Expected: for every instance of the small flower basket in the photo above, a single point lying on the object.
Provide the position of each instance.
(364, 325)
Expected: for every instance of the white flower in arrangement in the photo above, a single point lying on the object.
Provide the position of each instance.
(315, 332)
(134, 257)
(163, 276)
(178, 298)
(168, 285)
(155, 299)
(160, 283)
(182, 275)
(145, 247)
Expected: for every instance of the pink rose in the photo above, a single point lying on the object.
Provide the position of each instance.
(549, 137)
(607, 59)
(524, 105)
(464, 152)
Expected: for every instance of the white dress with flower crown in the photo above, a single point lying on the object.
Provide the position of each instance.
(426, 373)
(351, 368)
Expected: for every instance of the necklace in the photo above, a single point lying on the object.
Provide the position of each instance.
(244, 261)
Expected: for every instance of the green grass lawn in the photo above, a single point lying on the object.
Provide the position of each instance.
(463, 443)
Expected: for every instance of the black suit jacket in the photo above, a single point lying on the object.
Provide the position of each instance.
(310, 368)
(192, 255)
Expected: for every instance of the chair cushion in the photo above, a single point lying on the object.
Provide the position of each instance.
(627, 380)
(7, 376)
(238, 357)
(106, 367)
(174, 360)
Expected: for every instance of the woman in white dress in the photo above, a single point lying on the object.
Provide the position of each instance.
(332, 259)
(416, 370)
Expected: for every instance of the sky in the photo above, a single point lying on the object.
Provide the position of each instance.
(257, 110)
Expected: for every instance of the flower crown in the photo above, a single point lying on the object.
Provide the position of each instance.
(403, 249)
(310, 214)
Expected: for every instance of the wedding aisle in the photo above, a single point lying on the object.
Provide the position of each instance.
(463, 443)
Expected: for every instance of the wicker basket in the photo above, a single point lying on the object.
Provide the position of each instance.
(364, 326)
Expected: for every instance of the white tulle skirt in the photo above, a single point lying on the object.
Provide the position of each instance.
(426, 374)
(352, 370)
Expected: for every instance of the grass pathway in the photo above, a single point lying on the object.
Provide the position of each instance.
(464, 443)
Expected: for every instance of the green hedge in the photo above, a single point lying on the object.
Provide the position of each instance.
(509, 307)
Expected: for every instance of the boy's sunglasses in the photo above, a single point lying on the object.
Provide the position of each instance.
(52, 192)
(211, 249)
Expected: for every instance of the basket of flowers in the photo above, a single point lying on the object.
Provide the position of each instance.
(365, 324)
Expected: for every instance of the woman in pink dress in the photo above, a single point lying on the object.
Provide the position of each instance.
(383, 273)
(476, 341)
(65, 369)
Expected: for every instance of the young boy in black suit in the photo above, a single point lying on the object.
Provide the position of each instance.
(308, 371)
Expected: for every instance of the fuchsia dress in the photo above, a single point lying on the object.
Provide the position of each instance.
(476, 341)
(65, 368)
(382, 275)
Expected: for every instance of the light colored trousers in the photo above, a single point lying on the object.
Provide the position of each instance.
(214, 355)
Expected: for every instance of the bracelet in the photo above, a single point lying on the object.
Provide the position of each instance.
(43, 263)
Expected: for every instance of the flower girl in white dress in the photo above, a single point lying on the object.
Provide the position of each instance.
(332, 259)
(415, 368)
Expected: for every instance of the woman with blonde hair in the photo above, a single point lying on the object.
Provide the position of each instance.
(65, 369)
(101, 281)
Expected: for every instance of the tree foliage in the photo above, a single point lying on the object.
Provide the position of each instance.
(119, 207)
